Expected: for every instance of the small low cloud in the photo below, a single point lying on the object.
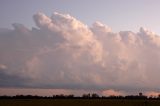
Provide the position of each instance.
(3, 67)
(111, 92)
(152, 93)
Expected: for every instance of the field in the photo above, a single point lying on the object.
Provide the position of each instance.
(77, 102)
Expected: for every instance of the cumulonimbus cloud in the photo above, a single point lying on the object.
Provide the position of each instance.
(63, 53)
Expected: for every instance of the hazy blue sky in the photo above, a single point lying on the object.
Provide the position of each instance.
(118, 14)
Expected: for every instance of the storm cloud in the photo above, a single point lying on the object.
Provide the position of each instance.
(61, 52)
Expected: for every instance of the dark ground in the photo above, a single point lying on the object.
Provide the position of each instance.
(78, 102)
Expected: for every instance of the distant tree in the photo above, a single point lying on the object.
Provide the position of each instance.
(60, 96)
(86, 95)
(70, 96)
(140, 94)
(94, 95)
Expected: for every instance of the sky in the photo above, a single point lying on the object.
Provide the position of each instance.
(107, 47)
(119, 15)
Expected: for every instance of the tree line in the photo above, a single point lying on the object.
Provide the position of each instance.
(84, 96)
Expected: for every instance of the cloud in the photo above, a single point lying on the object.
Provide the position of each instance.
(30, 91)
(152, 93)
(61, 52)
(3, 67)
(112, 92)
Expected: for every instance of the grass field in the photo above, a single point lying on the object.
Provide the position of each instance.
(77, 102)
